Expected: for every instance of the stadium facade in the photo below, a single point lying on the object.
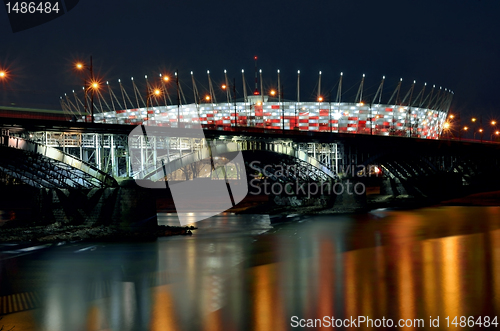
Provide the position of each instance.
(416, 114)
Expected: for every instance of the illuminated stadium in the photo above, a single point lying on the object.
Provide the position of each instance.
(418, 112)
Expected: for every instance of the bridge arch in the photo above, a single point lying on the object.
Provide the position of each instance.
(157, 173)
(47, 167)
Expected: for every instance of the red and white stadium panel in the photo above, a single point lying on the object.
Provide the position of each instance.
(378, 119)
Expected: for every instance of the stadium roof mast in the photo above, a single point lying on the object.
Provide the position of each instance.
(261, 87)
(359, 95)
(339, 90)
(196, 95)
(244, 85)
(228, 94)
(379, 92)
(319, 87)
(279, 88)
(298, 85)
(211, 88)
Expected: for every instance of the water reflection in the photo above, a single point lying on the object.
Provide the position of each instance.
(406, 265)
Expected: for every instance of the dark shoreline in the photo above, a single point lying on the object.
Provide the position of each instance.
(30, 232)
(12, 232)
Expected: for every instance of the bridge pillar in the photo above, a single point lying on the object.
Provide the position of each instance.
(392, 186)
(135, 206)
(127, 206)
(352, 198)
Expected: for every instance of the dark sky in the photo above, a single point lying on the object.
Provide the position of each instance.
(454, 44)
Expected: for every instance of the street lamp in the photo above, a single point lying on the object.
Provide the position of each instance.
(494, 126)
(460, 135)
(481, 132)
(4, 76)
(225, 87)
(154, 93)
(446, 129)
(93, 85)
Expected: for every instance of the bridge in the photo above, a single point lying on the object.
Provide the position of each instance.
(69, 155)
(101, 153)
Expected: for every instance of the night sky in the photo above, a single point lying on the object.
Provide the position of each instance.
(453, 44)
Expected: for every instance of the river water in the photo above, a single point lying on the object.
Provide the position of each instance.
(239, 272)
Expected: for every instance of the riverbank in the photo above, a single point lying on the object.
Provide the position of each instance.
(478, 199)
(23, 232)
(375, 202)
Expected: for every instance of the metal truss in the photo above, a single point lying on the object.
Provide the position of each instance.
(44, 166)
(155, 157)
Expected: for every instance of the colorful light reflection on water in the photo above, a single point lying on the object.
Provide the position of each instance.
(405, 264)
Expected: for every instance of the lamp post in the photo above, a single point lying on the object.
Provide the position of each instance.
(496, 133)
(4, 76)
(155, 93)
(226, 88)
(207, 100)
(460, 132)
(493, 128)
(164, 81)
(481, 132)
(92, 86)
(446, 129)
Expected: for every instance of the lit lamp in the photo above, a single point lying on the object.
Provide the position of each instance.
(4, 76)
(93, 85)
(446, 128)
(225, 88)
(496, 133)
(494, 128)
(155, 93)
(460, 133)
